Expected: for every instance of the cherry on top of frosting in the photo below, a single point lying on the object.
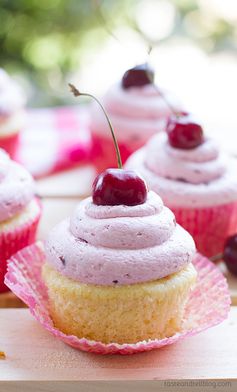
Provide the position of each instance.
(184, 131)
(230, 254)
(118, 186)
(138, 76)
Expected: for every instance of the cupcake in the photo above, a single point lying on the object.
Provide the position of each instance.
(19, 211)
(137, 110)
(120, 269)
(196, 180)
(119, 273)
(12, 115)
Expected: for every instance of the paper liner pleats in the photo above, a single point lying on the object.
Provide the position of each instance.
(15, 239)
(10, 144)
(209, 226)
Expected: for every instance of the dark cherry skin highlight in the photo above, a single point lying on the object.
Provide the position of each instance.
(119, 186)
(138, 76)
(184, 132)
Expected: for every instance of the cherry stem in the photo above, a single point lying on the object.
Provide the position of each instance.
(177, 114)
(217, 257)
(77, 93)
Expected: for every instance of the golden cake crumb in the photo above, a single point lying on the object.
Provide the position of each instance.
(2, 355)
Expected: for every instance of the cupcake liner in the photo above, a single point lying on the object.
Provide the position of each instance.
(13, 240)
(10, 144)
(103, 152)
(208, 304)
(209, 226)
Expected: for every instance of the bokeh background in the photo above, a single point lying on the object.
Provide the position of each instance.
(47, 43)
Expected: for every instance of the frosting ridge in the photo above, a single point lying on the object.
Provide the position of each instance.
(198, 165)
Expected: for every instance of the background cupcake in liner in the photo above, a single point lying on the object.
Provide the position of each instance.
(137, 111)
(198, 184)
(19, 211)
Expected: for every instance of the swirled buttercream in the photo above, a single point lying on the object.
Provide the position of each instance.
(122, 245)
(198, 165)
(199, 177)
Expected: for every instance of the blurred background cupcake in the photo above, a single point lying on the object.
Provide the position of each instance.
(92, 43)
(20, 211)
(12, 113)
(195, 178)
(137, 110)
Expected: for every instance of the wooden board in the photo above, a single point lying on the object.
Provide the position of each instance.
(35, 355)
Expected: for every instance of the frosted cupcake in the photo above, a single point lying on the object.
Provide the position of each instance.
(120, 269)
(119, 273)
(137, 110)
(19, 211)
(12, 115)
(196, 180)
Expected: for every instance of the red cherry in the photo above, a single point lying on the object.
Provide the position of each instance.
(138, 76)
(184, 132)
(118, 186)
(230, 254)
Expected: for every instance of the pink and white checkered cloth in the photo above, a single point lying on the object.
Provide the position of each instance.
(54, 139)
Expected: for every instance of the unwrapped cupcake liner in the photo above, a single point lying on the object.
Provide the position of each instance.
(10, 144)
(15, 239)
(208, 304)
(209, 226)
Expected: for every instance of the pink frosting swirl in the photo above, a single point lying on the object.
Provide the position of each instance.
(17, 187)
(11, 96)
(122, 245)
(198, 165)
(136, 113)
(200, 177)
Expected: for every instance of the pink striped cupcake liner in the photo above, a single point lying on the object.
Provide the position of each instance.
(208, 304)
(209, 226)
(103, 154)
(14, 240)
(10, 144)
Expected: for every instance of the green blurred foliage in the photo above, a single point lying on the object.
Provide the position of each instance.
(46, 39)
(44, 36)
